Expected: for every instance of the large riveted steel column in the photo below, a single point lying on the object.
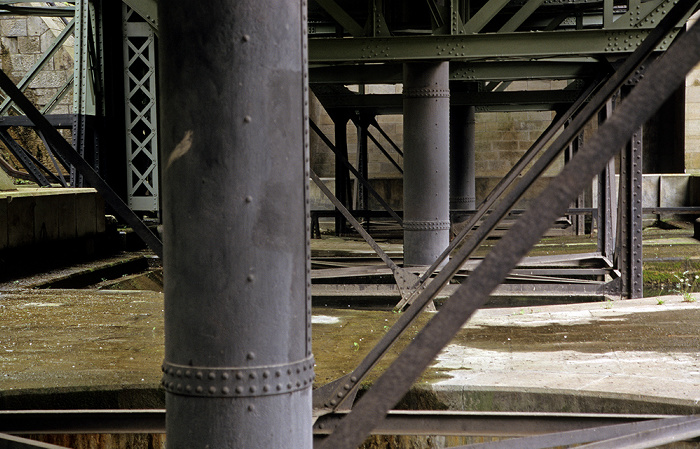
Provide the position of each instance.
(462, 173)
(426, 191)
(238, 365)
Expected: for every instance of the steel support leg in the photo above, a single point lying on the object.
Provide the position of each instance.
(342, 175)
(607, 201)
(426, 188)
(462, 173)
(629, 243)
(362, 162)
(238, 366)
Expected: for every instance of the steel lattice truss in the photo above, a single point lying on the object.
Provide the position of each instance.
(509, 35)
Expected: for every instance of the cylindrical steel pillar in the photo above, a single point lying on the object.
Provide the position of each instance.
(462, 173)
(426, 108)
(238, 365)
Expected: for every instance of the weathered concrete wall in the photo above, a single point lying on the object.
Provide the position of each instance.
(32, 216)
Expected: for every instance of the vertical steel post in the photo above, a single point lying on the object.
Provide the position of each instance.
(629, 243)
(342, 175)
(238, 365)
(462, 151)
(607, 201)
(426, 190)
(362, 161)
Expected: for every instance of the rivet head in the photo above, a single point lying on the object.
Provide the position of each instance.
(252, 389)
(266, 374)
(353, 379)
(250, 278)
(245, 38)
(251, 408)
(199, 389)
(224, 376)
(333, 402)
(239, 376)
(199, 375)
(239, 390)
(279, 387)
(289, 386)
(253, 376)
(248, 199)
(278, 373)
(346, 386)
(250, 356)
(188, 373)
(188, 388)
(212, 375)
(266, 388)
(225, 390)
(247, 119)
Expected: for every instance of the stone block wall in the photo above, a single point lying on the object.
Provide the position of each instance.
(692, 116)
(501, 139)
(23, 41)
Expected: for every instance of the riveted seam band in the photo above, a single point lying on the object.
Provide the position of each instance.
(425, 92)
(414, 225)
(237, 382)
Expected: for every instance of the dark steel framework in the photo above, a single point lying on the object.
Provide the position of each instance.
(452, 32)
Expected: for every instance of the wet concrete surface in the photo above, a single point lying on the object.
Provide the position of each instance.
(68, 340)
(85, 340)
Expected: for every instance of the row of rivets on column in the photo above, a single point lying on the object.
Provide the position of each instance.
(411, 225)
(238, 382)
(425, 92)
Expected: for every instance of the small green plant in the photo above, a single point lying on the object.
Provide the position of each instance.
(685, 285)
(660, 301)
(608, 303)
(356, 345)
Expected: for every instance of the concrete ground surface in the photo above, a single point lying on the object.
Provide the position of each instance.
(69, 341)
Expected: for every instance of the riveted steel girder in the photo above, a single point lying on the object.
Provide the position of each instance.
(541, 44)
(462, 71)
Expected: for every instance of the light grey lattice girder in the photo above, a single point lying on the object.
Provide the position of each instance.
(141, 112)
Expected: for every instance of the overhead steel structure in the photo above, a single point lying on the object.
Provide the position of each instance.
(213, 379)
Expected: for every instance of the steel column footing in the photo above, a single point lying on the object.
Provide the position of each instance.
(238, 366)
(462, 150)
(426, 108)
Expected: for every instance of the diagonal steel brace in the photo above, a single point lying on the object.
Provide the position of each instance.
(662, 79)
(68, 153)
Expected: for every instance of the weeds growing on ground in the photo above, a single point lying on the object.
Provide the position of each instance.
(685, 285)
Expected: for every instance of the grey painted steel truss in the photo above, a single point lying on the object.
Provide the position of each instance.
(659, 83)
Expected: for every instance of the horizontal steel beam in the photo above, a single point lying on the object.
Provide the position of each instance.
(397, 422)
(13, 442)
(503, 424)
(390, 291)
(391, 73)
(546, 100)
(496, 46)
(60, 121)
(21, 422)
